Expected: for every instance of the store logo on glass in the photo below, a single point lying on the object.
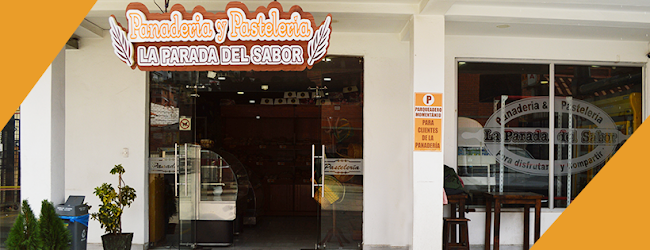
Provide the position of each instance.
(583, 146)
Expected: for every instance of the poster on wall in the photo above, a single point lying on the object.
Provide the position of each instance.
(428, 122)
(267, 39)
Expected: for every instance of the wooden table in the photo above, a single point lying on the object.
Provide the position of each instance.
(499, 198)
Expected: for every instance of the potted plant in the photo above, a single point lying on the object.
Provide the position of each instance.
(110, 211)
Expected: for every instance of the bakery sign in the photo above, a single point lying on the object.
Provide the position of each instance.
(595, 142)
(268, 39)
(343, 166)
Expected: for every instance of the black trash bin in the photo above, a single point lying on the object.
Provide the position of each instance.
(75, 215)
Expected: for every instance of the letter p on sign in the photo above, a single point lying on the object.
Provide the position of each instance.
(428, 99)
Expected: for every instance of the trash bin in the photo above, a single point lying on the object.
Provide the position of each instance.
(75, 214)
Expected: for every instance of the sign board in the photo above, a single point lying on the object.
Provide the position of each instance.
(428, 122)
(185, 123)
(268, 39)
(599, 140)
(343, 166)
(159, 165)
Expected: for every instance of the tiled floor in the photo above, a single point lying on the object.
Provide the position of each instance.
(278, 233)
(275, 233)
(286, 233)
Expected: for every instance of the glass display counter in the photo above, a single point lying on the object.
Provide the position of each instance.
(218, 188)
(217, 204)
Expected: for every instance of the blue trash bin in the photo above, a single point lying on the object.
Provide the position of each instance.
(75, 215)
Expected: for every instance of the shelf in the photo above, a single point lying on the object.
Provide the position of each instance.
(279, 147)
(271, 111)
(217, 167)
(213, 184)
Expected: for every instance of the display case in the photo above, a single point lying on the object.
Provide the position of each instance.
(217, 204)
(208, 194)
(217, 188)
(476, 167)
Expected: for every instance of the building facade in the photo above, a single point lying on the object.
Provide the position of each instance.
(471, 53)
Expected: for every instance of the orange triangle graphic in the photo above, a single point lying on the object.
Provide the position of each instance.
(609, 212)
(33, 34)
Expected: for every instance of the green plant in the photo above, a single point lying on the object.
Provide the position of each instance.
(24, 235)
(113, 202)
(54, 234)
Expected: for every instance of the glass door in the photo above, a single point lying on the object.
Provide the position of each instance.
(338, 174)
(188, 163)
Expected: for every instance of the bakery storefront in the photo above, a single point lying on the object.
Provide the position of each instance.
(253, 128)
(292, 125)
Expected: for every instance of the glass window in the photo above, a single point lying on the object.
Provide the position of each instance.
(601, 105)
(521, 91)
(504, 128)
(9, 175)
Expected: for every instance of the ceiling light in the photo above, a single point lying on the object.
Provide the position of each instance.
(327, 59)
(265, 87)
(251, 101)
(257, 117)
(327, 79)
(543, 82)
(240, 93)
(221, 78)
(503, 26)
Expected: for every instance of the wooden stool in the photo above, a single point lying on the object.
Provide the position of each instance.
(451, 242)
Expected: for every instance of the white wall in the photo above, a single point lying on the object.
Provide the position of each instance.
(427, 52)
(42, 141)
(106, 111)
(508, 48)
(387, 180)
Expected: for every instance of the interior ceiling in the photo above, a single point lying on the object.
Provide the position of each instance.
(627, 20)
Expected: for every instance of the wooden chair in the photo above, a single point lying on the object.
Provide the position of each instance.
(449, 239)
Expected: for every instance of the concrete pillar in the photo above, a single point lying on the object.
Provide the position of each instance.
(428, 64)
(42, 138)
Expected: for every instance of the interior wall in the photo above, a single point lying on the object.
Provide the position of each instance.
(520, 48)
(106, 114)
(388, 190)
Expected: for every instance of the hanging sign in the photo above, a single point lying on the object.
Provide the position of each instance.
(268, 39)
(428, 121)
(160, 165)
(343, 166)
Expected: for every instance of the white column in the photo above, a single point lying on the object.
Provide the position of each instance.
(428, 63)
(42, 138)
